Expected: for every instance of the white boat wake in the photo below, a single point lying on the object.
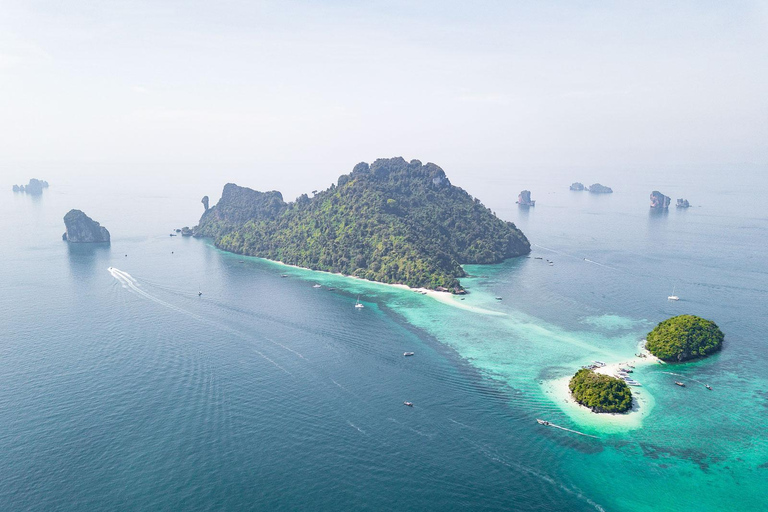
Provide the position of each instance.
(130, 283)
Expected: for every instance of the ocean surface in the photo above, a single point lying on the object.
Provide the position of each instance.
(125, 390)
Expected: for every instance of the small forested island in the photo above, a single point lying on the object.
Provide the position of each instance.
(392, 221)
(597, 188)
(659, 201)
(684, 337)
(34, 187)
(578, 187)
(80, 228)
(683, 203)
(601, 393)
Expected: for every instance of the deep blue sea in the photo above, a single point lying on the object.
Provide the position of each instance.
(125, 390)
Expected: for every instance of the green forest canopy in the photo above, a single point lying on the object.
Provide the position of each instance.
(393, 222)
(684, 337)
(601, 393)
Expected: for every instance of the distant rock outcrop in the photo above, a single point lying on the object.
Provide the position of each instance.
(577, 186)
(659, 201)
(185, 231)
(205, 200)
(600, 189)
(683, 203)
(34, 187)
(83, 229)
(524, 199)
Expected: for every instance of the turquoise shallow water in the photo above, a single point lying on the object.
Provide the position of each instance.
(127, 391)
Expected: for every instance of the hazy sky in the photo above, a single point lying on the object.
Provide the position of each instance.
(331, 83)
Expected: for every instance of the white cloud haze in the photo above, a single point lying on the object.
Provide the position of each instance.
(518, 83)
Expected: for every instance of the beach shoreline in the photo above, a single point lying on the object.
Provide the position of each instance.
(642, 401)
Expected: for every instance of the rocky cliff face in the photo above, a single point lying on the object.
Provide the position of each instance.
(600, 189)
(239, 205)
(83, 229)
(205, 200)
(659, 201)
(524, 199)
(577, 186)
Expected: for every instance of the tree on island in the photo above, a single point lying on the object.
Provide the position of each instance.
(601, 393)
(684, 337)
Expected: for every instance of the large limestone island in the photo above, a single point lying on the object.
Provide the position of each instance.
(601, 393)
(391, 221)
(83, 229)
(684, 337)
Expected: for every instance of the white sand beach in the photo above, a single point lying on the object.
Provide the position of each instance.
(642, 400)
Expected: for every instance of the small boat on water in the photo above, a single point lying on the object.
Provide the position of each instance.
(673, 296)
(498, 298)
(316, 286)
(358, 305)
(542, 422)
(681, 384)
(538, 258)
(409, 404)
(708, 387)
(283, 275)
(172, 234)
(199, 293)
(407, 354)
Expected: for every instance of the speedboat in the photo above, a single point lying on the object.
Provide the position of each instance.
(681, 384)
(708, 387)
(409, 404)
(542, 422)
(199, 293)
(316, 286)
(406, 354)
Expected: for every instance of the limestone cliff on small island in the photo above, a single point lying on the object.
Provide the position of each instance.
(392, 221)
(659, 201)
(577, 186)
(597, 188)
(601, 393)
(34, 187)
(83, 229)
(684, 337)
(524, 199)
(683, 203)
